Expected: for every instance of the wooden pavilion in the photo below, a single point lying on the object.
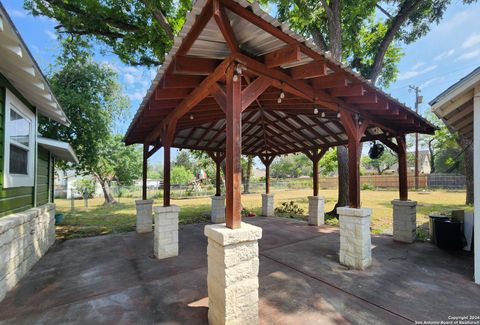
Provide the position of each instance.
(238, 82)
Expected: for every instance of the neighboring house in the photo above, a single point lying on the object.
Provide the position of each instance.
(459, 108)
(27, 226)
(66, 184)
(258, 172)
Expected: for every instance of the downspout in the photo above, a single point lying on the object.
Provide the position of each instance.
(35, 160)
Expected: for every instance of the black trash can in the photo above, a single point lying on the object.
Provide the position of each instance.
(449, 234)
(431, 226)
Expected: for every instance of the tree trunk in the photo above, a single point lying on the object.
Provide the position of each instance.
(432, 158)
(246, 188)
(467, 146)
(107, 193)
(342, 158)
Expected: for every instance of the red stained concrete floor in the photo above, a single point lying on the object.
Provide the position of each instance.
(114, 279)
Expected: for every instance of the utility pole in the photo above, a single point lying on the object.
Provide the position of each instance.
(418, 101)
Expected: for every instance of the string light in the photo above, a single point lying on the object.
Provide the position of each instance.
(339, 115)
(315, 111)
(323, 114)
(282, 95)
(191, 116)
(235, 77)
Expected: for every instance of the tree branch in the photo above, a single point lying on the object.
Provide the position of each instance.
(318, 38)
(160, 18)
(106, 19)
(407, 9)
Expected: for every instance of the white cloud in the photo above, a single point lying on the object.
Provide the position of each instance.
(51, 35)
(111, 65)
(444, 55)
(137, 95)
(415, 72)
(471, 41)
(17, 13)
(475, 54)
(431, 81)
(129, 78)
(417, 66)
(131, 70)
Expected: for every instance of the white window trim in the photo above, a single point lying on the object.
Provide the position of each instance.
(18, 180)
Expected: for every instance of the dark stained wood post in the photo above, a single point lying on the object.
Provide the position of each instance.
(267, 178)
(233, 148)
(402, 168)
(401, 150)
(267, 161)
(218, 179)
(355, 129)
(315, 156)
(217, 157)
(145, 169)
(315, 177)
(166, 175)
(354, 173)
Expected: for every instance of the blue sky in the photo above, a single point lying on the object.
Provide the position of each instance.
(449, 51)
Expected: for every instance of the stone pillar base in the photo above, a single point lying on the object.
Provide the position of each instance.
(404, 221)
(218, 209)
(144, 215)
(268, 208)
(232, 278)
(316, 210)
(355, 238)
(166, 231)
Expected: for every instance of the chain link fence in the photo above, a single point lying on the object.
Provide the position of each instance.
(78, 199)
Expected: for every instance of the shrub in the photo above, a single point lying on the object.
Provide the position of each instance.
(289, 209)
(367, 186)
(85, 185)
(181, 175)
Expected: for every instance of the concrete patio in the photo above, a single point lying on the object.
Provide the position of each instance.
(115, 279)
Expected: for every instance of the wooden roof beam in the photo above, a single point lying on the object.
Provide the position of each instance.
(224, 25)
(173, 93)
(196, 29)
(336, 80)
(190, 65)
(195, 97)
(181, 81)
(255, 89)
(282, 56)
(309, 70)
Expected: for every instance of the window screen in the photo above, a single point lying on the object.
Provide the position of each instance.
(18, 160)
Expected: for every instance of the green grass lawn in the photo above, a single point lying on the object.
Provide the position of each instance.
(98, 219)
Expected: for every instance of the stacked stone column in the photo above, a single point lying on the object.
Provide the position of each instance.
(316, 210)
(268, 207)
(355, 238)
(218, 209)
(232, 279)
(404, 221)
(144, 215)
(166, 231)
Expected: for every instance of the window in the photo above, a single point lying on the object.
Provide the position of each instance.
(19, 143)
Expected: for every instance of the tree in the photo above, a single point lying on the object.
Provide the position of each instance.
(181, 175)
(155, 171)
(382, 164)
(140, 32)
(328, 164)
(248, 174)
(184, 159)
(116, 162)
(91, 98)
(352, 33)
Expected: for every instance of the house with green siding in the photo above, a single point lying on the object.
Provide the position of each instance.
(27, 211)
